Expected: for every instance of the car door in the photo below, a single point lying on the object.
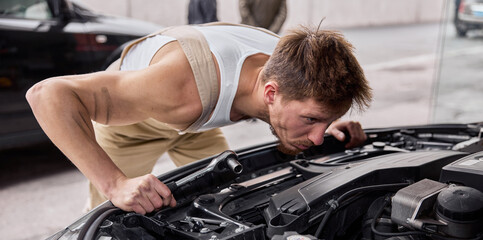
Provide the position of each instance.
(34, 45)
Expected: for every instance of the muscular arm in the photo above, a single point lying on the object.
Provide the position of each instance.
(65, 106)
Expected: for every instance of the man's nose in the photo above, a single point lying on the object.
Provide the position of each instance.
(316, 135)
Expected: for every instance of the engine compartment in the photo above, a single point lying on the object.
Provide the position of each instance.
(421, 182)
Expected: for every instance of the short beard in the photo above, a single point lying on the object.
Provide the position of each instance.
(288, 151)
(282, 148)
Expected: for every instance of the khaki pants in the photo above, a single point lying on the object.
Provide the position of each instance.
(136, 148)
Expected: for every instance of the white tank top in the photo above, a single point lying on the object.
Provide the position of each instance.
(230, 45)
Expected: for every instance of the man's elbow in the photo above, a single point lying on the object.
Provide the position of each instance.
(34, 94)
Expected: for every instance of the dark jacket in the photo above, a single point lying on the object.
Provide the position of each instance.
(269, 14)
(202, 11)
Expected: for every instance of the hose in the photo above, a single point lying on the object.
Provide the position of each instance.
(335, 203)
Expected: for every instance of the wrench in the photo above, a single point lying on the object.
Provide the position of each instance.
(227, 160)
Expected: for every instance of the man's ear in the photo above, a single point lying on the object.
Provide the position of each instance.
(270, 90)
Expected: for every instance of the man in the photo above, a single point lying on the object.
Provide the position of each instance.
(177, 87)
(268, 14)
(202, 11)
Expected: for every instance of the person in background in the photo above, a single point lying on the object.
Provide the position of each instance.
(268, 14)
(202, 11)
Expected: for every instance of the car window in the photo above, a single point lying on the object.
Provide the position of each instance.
(458, 92)
(28, 9)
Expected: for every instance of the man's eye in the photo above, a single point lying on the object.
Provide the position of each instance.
(311, 120)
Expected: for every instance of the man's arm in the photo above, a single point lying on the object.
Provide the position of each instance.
(65, 106)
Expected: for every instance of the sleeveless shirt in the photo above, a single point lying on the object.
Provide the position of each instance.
(230, 44)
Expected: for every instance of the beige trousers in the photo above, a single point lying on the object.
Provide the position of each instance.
(136, 148)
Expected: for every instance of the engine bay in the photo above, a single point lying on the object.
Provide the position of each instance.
(421, 182)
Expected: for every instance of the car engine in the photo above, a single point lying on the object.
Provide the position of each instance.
(420, 182)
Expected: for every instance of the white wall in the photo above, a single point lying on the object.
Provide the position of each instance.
(338, 13)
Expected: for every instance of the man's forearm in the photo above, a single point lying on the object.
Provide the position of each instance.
(67, 122)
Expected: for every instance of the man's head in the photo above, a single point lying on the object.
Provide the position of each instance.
(312, 74)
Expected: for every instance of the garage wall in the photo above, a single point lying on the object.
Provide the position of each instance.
(338, 13)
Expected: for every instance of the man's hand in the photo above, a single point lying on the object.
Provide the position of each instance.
(142, 194)
(357, 135)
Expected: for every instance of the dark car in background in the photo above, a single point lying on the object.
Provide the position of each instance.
(468, 16)
(45, 38)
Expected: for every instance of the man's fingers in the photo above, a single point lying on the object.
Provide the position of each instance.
(150, 193)
(172, 203)
(354, 129)
(155, 199)
(142, 195)
(146, 203)
(339, 135)
(145, 196)
(357, 134)
(139, 202)
(164, 192)
(138, 209)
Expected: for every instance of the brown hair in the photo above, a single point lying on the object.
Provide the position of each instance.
(318, 64)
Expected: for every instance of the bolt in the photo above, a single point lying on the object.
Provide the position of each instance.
(224, 224)
(205, 230)
(206, 199)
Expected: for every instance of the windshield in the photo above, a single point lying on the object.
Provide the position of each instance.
(25, 9)
(458, 95)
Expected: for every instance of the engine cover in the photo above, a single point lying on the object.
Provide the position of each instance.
(292, 208)
(467, 171)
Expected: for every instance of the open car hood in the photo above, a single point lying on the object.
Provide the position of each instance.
(416, 182)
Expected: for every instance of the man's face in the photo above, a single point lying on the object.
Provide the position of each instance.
(300, 124)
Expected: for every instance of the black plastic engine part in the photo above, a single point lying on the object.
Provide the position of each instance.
(298, 205)
(462, 209)
(467, 171)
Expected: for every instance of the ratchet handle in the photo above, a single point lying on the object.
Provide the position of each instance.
(172, 186)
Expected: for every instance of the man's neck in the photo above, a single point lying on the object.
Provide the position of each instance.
(248, 102)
